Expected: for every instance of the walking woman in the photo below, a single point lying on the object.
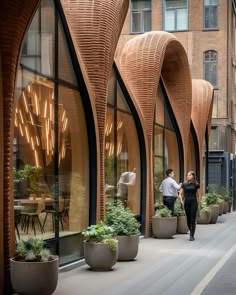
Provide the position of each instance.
(189, 197)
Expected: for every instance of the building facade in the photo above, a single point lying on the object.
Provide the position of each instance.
(81, 116)
(206, 29)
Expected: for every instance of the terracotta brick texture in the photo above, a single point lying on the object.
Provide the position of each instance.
(202, 102)
(141, 61)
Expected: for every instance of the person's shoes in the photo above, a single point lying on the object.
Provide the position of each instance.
(191, 238)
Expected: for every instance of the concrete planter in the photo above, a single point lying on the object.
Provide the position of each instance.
(164, 227)
(127, 247)
(34, 278)
(214, 212)
(204, 217)
(226, 207)
(221, 208)
(99, 256)
(182, 227)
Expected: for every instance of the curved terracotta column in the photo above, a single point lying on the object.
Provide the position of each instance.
(202, 105)
(95, 28)
(15, 16)
(141, 61)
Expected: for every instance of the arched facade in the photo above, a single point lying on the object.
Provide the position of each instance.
(141, 62)
(89, 33)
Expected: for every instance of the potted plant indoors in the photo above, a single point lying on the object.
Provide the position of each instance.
(100, 247)
(163, 224)
(126, 229)
(33, 269)
(31, 175)
(179, 212)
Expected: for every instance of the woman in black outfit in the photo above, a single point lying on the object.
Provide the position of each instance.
(190, 194)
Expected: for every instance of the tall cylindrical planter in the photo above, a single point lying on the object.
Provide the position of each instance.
(127, 247)
(182, 227)
(164, 227)
(214, 212)
(204, 217)
(99, 256)
(226, 207)
(34, 278)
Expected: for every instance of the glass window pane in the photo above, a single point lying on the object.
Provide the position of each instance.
(213, 74)
(213, 55)
(34, 151)
(136, 22)
(158, 141)
(207, 56)
(207, 2)
(65, 69)
(182, 19)
(213, 17)
(111, 88)
(207, 72)
(170, 20)
(121, 101)
(176, 4)
(207, 18)
(128, 162)
(147, 21)
(110, 181)
(73, 163)
(171, 152)
(158, 177)
(191, 163)
(140, 5)
(214, 139)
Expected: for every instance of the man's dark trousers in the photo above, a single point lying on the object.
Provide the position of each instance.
(169, 202)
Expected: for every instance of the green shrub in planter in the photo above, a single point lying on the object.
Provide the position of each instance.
(210, 198)
(32, 250)
(178, 210)
(101, 233)
(122, 220)
(164, 212)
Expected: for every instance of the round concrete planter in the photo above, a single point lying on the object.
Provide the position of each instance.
(214, 213)
(164, 227)
(127, 247)
(226, 207)
(182, 227)
(204, 217)
(34, 278)
(221, 208)
(99, 256)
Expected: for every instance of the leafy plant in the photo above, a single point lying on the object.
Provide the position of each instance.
(100, 233)
(204, 207)
(225, 195)
(210, 198)
(32, 250)
(157, 179)
(31, 175)
(163, 212)
(122, 220)
(178, 210)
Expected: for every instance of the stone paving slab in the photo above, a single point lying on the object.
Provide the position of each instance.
(163, 267)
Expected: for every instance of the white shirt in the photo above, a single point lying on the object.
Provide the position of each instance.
(169, 187)
(126, 179)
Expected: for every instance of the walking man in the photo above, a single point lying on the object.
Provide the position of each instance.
(169, 189)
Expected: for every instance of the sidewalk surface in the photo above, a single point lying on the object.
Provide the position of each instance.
(167, 267)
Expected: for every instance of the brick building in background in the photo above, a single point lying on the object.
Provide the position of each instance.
(206, 29)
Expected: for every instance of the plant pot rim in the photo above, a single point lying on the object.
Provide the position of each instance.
(154, 216)
(128, 235)
(55, 258)
(99, 243)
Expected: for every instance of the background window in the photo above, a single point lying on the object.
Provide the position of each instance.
(141, 16)
(214, 138)
(210, 14)
(210, 61)
(176, 15)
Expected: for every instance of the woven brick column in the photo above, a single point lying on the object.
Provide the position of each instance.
(141, 61)
(95, 28)
(15, 16)
(202, 104)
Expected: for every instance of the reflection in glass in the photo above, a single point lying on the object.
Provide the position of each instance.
(122, 156)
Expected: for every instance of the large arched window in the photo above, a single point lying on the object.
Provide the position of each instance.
(122, 152)
(51, 154)
(210, 67)
(166, 147)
